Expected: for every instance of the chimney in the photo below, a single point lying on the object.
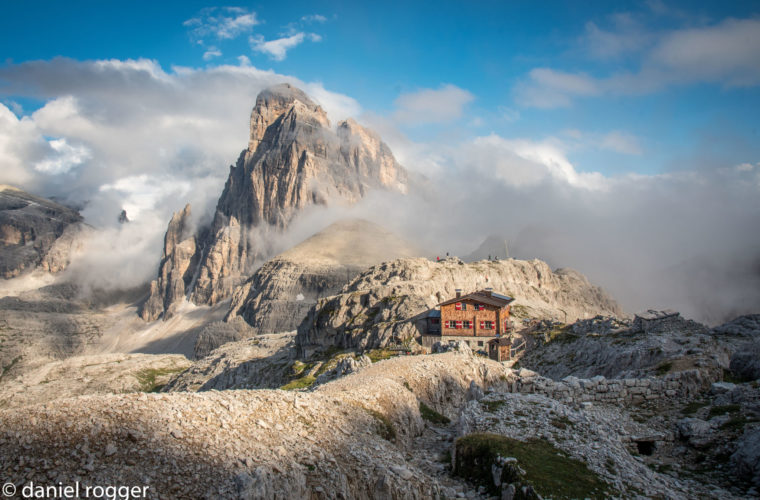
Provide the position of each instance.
(459, 292)
(488, 291)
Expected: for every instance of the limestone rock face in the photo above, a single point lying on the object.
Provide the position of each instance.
(35, 232)
(294, 159)
(175, 274)
(278, 296)
(387, 301)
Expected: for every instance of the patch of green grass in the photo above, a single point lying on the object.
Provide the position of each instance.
(432, 416)
(389, 299)
(299, 383)
(548, 469)
(737, 423)
(609, 464)
(8, 368)
(385, 427)
(148, 378)
(299, 367)
(376, 355)
(664, 367)
(693, 407)
(409, 387)
(562, 422)
(492, 406)
(733, 379)
(723, 409)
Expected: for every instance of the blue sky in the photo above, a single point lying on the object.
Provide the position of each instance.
(618, 138)
(376, 52)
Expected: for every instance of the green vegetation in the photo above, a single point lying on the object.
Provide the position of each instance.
(737, 423)
(693, 407)
(492, 406)
(148, 378)
(562, 422)
(550, 471)
(389, 299)
(385, 428)
(409, 388)
(664, 367)
(724, 409)
(432, 416)
(8, 368)
(299, 383)
(376, 355)
(733, 379)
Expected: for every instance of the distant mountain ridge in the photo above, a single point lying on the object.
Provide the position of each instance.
(294, 160)
(34, 232)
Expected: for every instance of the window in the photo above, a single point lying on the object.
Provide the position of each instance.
(480, 307)
(464, 306)
(459, 325)
(482, 325)
(466, 324)
(480, 343)
(458, 306)
(435, 321)
(446, 324)
(489, 325)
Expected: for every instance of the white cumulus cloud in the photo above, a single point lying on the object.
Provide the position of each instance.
(440, 105)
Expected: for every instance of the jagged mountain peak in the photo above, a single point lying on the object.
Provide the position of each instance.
(294, 160)
(276, 101)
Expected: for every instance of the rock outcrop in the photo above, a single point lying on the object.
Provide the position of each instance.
(294, 159)
(279, 295)
(35, 233)
(656, 343)
(386, 301)
(179, 262)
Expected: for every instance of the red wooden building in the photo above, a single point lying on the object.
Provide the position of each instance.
(478, 314)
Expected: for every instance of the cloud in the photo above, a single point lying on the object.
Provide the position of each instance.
(314, 18)
(65, 157)
(160, 138)
(508, 114)
(223, 23)
(441, 105)
(550, 88)
(126, 134)
(524, 162)
(277, 49)
(211, 53)
(621, 142)
(726, 53)
(723, 54)
(625, 38)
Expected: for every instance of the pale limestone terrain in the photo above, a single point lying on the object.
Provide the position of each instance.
(388, 301)
(361, 436)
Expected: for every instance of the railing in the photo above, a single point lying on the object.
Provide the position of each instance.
(515, 350)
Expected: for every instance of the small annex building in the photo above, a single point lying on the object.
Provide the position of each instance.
(475, 318)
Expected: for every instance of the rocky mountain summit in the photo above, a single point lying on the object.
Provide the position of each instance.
(294, 159)
(387, 301)
(34, 233)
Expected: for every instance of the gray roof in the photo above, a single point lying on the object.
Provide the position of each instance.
(434, 313)
(484, 297)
